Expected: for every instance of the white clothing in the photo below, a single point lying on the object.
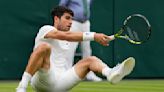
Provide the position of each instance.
(60, 77)
(60, 48)
(85, 45)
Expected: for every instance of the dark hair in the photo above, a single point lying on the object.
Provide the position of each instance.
(59, 11)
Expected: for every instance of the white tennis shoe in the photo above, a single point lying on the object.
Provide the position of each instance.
(121, 70)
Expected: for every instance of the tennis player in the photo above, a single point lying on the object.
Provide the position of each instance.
(46, 68)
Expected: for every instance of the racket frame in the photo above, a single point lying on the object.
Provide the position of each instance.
(126, 37)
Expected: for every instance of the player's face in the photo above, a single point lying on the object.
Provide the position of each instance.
(65, 22)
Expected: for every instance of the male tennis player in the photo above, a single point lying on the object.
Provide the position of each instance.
(46, 68)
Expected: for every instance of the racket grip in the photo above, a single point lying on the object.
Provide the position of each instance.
(111, 37)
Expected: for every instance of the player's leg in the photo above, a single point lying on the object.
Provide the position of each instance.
(39, 59)
(91, 63)
(78, 72)
(114, 75)
(74, 75)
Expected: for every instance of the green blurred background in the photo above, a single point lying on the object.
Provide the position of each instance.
(20, 20)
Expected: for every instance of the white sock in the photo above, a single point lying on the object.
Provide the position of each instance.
(90, 75)
(106, 71)
(25, 79)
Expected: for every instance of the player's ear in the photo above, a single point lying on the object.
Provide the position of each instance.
(56, 18)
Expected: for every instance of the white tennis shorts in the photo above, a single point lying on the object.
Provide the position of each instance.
(55, 80)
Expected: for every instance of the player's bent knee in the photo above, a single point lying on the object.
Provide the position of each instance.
(44, 47)
(92, 58)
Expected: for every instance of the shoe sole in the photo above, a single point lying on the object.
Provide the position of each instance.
(128, 64)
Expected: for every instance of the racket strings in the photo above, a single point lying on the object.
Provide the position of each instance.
(137, 29)
(132, 34)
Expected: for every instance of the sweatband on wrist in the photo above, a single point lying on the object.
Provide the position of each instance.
(88, 36)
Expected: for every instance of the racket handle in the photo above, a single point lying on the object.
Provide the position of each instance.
(111, 37)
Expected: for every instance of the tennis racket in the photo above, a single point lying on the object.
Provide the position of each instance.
(136, 29)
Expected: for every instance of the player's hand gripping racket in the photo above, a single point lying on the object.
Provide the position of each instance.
(136, 29)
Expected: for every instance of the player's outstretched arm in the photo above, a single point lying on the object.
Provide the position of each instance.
(69, 36)
(79, 36)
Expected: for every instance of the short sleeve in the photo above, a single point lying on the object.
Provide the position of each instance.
(41, 34)
(44, 30)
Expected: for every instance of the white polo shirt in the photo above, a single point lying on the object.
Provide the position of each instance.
(60, 48)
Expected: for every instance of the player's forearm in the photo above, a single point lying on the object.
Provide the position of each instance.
(71, 36)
